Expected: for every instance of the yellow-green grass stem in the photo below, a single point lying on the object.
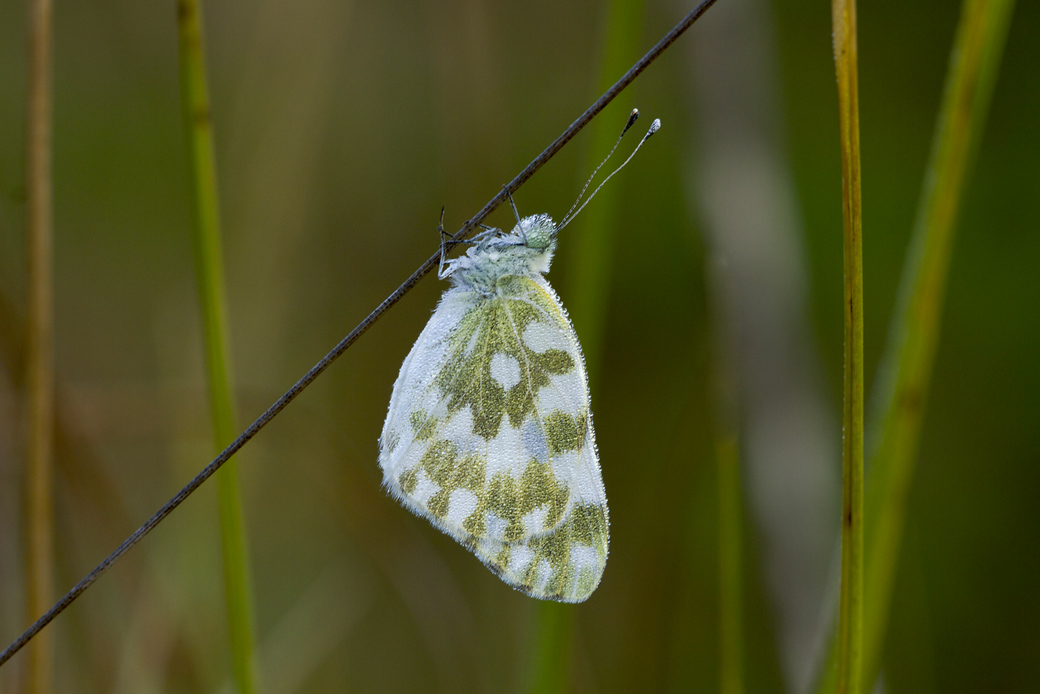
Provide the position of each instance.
(210, 271)
(907, 364)
(850, 609)
(725, 424)
(39, 503)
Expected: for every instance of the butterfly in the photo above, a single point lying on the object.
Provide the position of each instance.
(489, 432)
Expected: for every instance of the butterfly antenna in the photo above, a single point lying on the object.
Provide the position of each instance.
(631, 120)
(654, 127)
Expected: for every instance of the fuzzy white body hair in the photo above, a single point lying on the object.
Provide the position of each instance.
(526, 251)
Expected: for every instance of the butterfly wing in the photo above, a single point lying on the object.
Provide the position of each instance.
(490, 437)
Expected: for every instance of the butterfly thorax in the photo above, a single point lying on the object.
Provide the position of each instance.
(526, 251)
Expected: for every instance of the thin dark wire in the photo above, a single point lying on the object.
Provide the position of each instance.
(280, 404)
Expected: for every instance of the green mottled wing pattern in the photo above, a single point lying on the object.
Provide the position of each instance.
(489, 436)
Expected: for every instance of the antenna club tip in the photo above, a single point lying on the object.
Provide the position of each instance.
(655, 126)
(631, 119)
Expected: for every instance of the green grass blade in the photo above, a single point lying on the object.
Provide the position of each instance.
(913, 336)
(907, 364)
(552, 640)
(725, 396)
(731, 574)
(593, 233)
(850, 610)
(210, 271)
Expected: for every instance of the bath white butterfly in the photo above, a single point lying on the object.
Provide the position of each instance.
(489, 434)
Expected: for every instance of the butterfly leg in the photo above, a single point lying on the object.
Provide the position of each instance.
(440, 230)
(513, 205)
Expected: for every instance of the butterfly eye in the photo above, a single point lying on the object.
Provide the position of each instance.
(537, 231)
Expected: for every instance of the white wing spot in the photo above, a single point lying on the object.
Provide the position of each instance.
(542, 574)
(534, 522)
(566, 468)
(468, 349)
(459, 430)
(424, 488)
(583, 557)
(520, 558)
(571, 389)
(496, 527)
(541, 337)
(461, 504)
(506, 452)
(505, 369)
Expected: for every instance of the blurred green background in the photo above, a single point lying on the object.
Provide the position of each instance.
(341, 129)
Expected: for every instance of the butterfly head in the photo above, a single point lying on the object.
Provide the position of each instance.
(537, 232)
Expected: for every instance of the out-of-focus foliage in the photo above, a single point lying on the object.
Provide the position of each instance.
(341, 128)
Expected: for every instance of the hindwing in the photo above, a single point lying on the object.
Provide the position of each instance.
(489, 436)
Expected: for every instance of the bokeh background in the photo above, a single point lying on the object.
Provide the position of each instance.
(341, 128)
